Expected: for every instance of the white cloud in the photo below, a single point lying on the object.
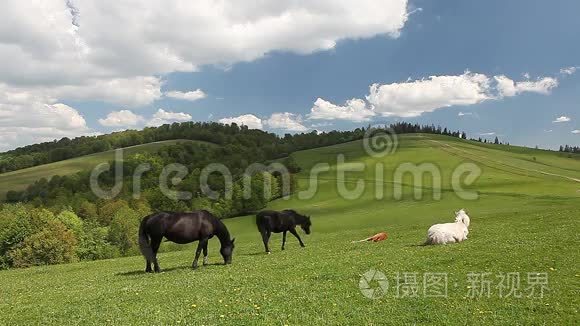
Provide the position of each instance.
(198, 94)
(162, 117)
(507, 87)
(561, 119)
(487, 134)
(285, 121)
(576, 131)
(249, 120)
(41, 122)
(355, 110)
(74, 42)
(123, 118)
(461, 114)
(568, 70)
(541, 86)
(133, 92)
(137, 91)
(413, 98)
(42, 115)
(280, 121)
(321, 124)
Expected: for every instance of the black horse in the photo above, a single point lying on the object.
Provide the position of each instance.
(183, 228)
(284, 221)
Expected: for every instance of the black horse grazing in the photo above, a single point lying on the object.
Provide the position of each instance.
(284, 221)
(183, 228)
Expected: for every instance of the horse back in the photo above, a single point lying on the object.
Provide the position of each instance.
(274, 221)
(183, 227)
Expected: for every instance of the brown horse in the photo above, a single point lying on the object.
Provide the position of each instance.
(183, 228)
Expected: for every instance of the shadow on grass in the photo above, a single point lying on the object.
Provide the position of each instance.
(167, 270)
(418, 245)
(260, 253)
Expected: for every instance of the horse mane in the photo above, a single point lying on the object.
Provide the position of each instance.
(299, 217)
(222, 231)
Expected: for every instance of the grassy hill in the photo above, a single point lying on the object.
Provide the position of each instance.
(20, 179)
(525, 220)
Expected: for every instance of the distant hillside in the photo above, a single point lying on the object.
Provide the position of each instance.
(20, 179)
(237, 148)
(65, 148)
(272, 145)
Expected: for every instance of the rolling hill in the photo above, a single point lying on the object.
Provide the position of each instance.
(525, 221)
(20, 179)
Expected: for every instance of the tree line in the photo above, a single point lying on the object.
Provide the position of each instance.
(274, 146)
(569, 149)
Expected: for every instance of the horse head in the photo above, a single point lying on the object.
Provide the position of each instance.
(227, 251)
(462, 217)
(305, 225)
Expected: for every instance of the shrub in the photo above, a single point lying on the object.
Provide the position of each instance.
(54, 244)
(123, 231)
(109, 209)
(17, 222)
(72, 222)
(87, 210)
(141, 206)
(94, 245)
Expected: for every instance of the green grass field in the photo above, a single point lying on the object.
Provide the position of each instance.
(525, 220)
(20, 179)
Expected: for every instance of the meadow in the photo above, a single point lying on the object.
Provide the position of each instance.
(525, 221)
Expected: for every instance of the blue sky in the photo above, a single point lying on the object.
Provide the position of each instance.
(273, 79)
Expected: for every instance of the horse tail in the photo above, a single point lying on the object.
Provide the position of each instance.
(144, 242)
(259, 219)
(262, 220)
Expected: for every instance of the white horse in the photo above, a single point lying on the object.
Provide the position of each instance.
(449, 232)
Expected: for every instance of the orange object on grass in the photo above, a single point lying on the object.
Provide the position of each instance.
(375, 238)
(378, 237)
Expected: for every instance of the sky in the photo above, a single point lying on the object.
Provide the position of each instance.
(509, 69)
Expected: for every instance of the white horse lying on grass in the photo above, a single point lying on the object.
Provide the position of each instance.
(449, 232)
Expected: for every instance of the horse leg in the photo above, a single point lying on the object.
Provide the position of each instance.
(198, 252)
(283, 239)
(148, 267)
(266, 238)
(155, 243)
(293, 231)
(205, 260)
